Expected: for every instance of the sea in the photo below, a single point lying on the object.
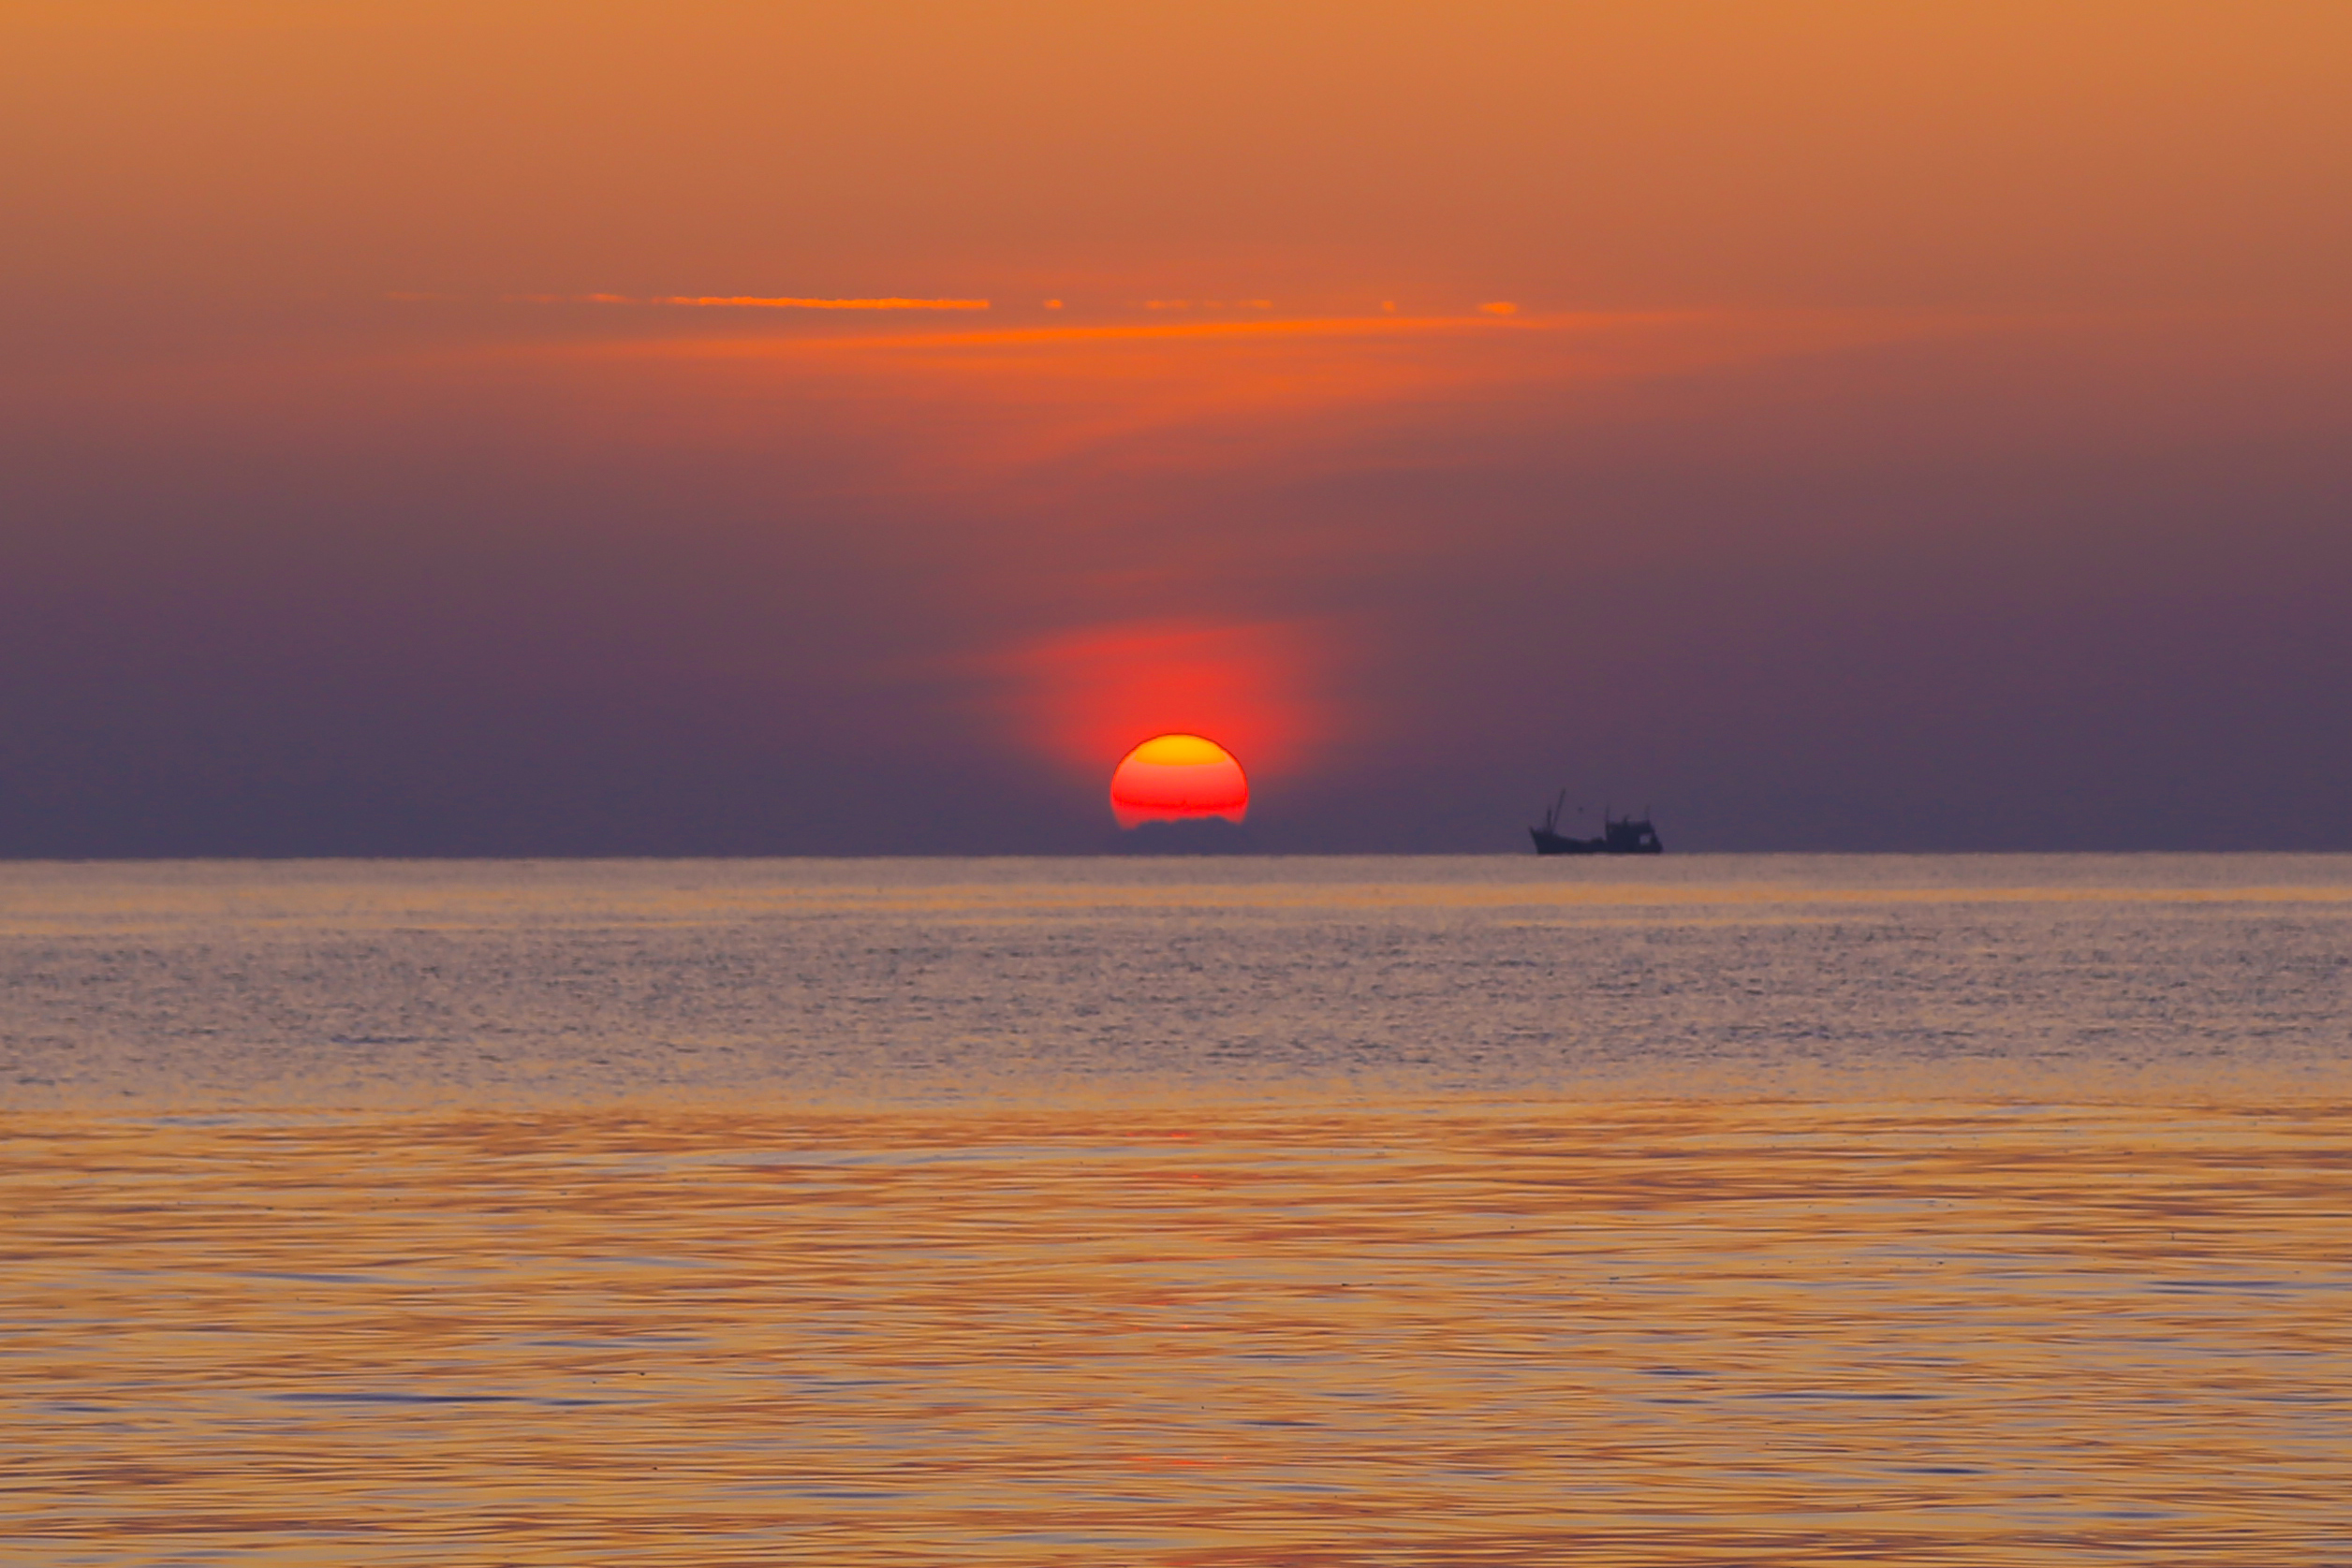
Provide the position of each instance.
(1187, 1212)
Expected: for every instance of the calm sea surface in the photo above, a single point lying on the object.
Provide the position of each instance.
(1723, 1210)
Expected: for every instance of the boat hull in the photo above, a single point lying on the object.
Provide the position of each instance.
(1558, 843)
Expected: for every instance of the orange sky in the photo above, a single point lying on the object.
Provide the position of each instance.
(1654, 153)
(403, 394)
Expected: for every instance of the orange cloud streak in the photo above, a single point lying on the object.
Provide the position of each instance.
(1187, 395)
(1281, 327)
(742, 301)
(752, 301)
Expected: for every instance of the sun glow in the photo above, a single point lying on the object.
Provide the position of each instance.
(1178, 778)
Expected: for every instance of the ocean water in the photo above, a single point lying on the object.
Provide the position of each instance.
(1757, 1210)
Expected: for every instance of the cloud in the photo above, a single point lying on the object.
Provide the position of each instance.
(748, 301)
(1194, 395)
(735, 301)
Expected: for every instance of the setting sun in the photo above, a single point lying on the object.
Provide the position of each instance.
(1178, 778)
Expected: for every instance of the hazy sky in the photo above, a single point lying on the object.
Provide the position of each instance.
(1830, 425)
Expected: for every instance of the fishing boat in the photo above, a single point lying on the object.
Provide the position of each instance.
(1620, 835)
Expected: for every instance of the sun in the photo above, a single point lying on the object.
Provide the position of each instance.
(1178, 778)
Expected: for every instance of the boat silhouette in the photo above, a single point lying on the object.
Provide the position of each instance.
(1620, 835)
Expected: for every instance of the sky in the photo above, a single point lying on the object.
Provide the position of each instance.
(505, 428)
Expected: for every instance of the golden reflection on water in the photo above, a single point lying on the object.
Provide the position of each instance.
(1655, 1332)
